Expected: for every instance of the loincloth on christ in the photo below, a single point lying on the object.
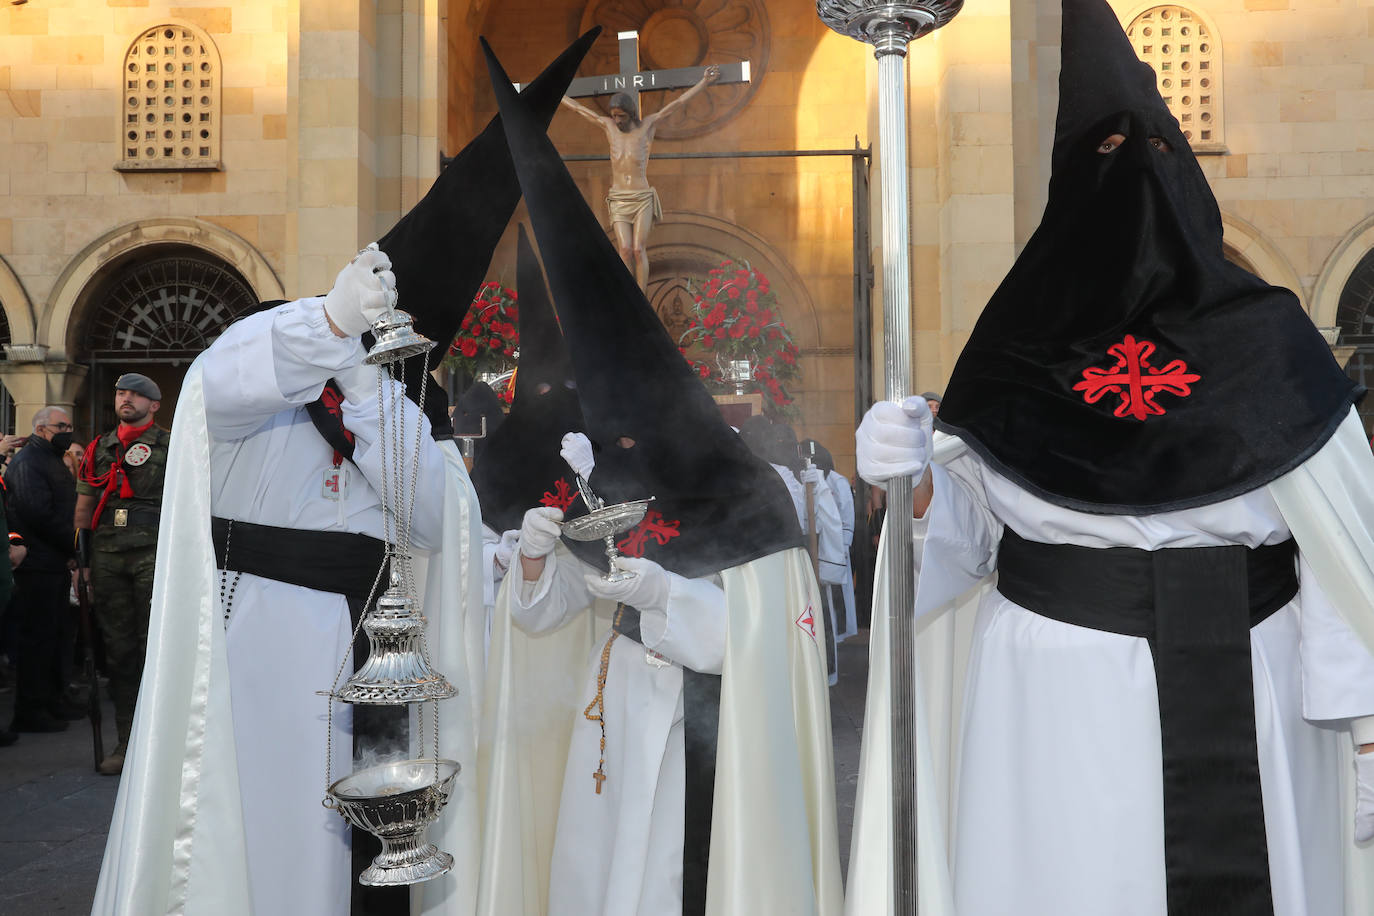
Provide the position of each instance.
(625, 205)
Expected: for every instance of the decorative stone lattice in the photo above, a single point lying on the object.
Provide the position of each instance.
(171, 101)
(1186, 58)
(167, 306)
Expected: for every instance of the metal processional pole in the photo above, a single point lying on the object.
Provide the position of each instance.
(890, 27)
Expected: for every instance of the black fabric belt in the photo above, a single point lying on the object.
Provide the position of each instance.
(700, 728)
(1195, 606)
(344, 564)
(143, 515)
(327, 561)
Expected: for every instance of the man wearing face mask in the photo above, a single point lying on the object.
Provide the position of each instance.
(118, 504)
(42, 497)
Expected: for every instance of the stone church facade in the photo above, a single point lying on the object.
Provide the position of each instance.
(164, 166)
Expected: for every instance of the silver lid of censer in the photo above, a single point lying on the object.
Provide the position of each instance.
(396, 339)
(397, 669)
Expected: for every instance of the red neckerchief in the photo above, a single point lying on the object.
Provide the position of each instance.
(116, 476)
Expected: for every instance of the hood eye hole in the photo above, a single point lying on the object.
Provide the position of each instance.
(542, 388)
(1110, 144)
(625, 442)
(1161, 144)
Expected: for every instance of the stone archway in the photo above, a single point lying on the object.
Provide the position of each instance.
(686, 245)
(71, 293)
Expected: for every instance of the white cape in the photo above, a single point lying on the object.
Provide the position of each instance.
(1329, 508)
(176, 841)
(773, 840)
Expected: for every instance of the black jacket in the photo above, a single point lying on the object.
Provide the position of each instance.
(42, 504)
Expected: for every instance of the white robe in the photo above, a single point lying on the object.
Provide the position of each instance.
(844, 504)
(246, 450)
(620, 851)
(773, 836)
(832, 555)
(1060, 723)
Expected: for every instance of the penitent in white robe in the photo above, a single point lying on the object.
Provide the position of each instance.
(553, 846)
(1059, 793)
(620, 850)
(245, 449)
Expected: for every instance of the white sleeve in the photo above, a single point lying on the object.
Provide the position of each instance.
(692, 631)
(830, 535)
(844, 501)
(269, 362)
(1337, 670)
(554, 598)
(956, 540)
(360, 409)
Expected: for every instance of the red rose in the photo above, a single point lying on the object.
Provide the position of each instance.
(752, 307)
(494, 343)
(737, 331)
(733, 292)
(708, 342)
(703, 371)
(765, 316)
(468, 347)
(754, 332)
(773, 334)
(719, 333)
(788, 358)
(742, 275)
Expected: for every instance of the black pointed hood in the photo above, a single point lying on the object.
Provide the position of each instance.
(520, 465)
(1124, 365)
(440, 250)
(658, 431)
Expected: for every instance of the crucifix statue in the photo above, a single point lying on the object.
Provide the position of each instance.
(632, 202)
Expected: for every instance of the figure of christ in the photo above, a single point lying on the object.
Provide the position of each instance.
(632, 202)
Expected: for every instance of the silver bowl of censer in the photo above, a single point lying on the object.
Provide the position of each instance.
(395, 802)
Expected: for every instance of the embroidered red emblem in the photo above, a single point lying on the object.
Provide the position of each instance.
(653, 527)
(1135, 380)
(561, 497)
(807, 622)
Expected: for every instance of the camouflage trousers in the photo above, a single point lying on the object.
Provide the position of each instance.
(122, 581)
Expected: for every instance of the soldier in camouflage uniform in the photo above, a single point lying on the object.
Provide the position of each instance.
(119, 497)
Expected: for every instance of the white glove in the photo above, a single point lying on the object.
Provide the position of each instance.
(505, 551)
(1364, 798)
(813, 475)
(893, 441)
(577, 451)
(647, 591)
(539, 531)
(361, 292)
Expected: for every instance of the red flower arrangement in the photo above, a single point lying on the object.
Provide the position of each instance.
(489, 337)
(735, 316)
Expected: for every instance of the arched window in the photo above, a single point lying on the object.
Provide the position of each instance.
(167, 307)
(1355, 318)
(1186, 56)
(171, 101)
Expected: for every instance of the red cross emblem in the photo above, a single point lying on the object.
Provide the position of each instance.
(1135, 380)
(807, 622)
(561, 497)
(654, 527)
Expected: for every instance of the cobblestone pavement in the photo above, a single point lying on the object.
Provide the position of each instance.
(55, 809)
